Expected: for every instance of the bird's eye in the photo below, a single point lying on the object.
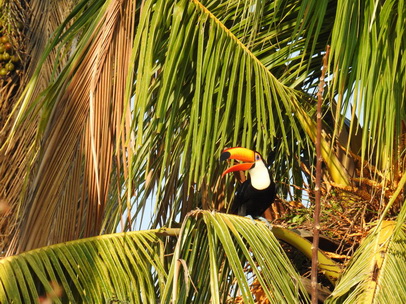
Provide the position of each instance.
(257, 157)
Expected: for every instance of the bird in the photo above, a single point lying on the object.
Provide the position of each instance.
(257, 193)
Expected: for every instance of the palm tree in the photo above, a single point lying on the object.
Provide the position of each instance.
(116, 108)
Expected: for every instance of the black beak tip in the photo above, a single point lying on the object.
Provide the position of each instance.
(225, 155)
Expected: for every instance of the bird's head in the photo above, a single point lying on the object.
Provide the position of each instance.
(251, 161)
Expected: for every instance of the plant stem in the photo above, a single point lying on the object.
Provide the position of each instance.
(319, 159)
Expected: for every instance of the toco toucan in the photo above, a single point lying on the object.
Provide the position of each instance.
(257, 193)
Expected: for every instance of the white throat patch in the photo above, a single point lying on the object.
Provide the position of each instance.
(260, 176)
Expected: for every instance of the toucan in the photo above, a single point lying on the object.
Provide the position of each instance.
(257, 193)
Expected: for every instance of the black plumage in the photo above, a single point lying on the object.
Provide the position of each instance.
(250, 201)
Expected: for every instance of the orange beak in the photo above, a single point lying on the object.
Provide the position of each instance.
(242, 154)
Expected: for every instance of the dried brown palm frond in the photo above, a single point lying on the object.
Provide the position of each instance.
(29, 46)
(78, 133)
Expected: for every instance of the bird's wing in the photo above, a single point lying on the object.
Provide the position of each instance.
(240, 198)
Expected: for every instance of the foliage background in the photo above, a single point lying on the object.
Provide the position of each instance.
(119, 104)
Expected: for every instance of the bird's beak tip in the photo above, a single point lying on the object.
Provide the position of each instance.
(224, 156)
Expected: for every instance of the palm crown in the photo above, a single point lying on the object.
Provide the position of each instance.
(114, 106)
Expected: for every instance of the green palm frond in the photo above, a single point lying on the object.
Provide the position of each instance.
(368, 43)
(227, 97)
(122, 267)
(377, 270)
(222, 246)
(217, 257)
